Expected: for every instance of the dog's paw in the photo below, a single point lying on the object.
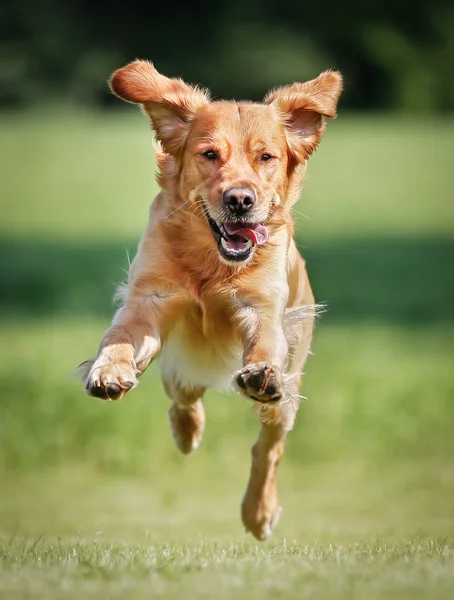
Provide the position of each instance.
(110, 381)
(187, 424)
(260, 520)
(260, 382)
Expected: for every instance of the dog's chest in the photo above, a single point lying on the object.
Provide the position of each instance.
(203, 349)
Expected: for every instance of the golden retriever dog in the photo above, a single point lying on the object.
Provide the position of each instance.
(218, 289)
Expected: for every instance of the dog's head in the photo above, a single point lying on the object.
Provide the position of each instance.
(237, 162)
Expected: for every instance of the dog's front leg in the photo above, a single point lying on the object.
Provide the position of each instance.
(127, 348)
(265, 353)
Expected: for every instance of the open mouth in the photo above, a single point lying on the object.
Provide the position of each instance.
(236, 239)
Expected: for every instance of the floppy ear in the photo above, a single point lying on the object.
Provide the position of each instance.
(303, 106)
(170, 103)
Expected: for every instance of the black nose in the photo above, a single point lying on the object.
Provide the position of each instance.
(239, 200)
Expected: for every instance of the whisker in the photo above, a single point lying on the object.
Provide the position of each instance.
(197, 209)
(177, 208)
(300, 213)
(196, 213)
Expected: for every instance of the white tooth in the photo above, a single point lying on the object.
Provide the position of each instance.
(224, 243)
(249, 244)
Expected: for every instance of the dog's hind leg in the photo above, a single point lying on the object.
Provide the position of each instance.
(186, 415)
(260, 509)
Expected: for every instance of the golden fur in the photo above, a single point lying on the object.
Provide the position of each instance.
(219, 321)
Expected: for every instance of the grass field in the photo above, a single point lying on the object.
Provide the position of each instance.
(95, 500)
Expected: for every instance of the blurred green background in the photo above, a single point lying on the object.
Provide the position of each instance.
(372, 452)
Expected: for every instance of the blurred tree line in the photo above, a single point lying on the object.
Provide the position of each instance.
(394, 54)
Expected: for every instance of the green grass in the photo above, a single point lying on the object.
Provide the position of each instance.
(207, 570)
(347, 532)
(96, 501)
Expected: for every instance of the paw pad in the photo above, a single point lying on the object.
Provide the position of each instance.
(260, 382)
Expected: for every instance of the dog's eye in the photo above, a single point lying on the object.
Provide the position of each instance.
(265, 157)
(210, 154)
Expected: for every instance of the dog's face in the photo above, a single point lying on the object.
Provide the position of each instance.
(235, 164)
(234, 160)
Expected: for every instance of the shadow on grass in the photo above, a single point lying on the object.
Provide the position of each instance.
(407, 280)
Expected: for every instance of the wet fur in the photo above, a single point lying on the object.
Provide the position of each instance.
(245, 326)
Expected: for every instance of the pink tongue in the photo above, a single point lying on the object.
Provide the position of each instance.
(258, 234)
